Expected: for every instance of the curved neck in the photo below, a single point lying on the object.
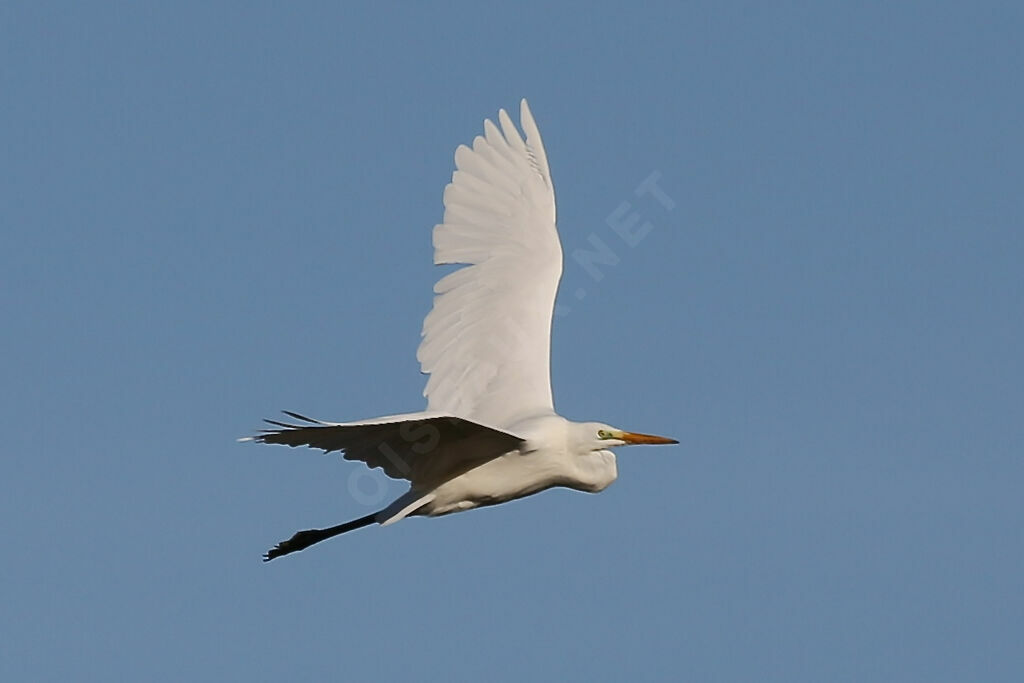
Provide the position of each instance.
(595, 471)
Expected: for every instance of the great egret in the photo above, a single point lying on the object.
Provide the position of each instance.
(490, 433)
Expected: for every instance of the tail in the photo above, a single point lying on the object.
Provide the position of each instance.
(303, 539)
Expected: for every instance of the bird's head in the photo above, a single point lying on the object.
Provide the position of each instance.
(599, 436)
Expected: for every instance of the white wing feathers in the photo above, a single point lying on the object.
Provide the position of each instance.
(425, 448)
(486, 343)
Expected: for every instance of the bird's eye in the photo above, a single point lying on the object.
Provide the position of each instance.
(604, 434)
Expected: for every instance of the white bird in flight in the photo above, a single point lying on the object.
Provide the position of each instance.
(490, 433)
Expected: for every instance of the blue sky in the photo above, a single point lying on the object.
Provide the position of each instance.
(211, 212)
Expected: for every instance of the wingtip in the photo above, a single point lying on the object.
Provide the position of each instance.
(301, 417)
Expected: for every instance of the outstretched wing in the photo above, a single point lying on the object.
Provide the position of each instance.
(425, 448)
(486, 343)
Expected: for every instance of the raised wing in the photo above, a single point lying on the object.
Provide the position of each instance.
(487, 342)
(425, 448)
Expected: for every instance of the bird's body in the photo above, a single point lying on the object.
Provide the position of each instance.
(490, 433)
(545, 460)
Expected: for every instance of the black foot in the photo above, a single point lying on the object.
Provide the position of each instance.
(300, 541)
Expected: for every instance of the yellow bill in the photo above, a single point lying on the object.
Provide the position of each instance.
(634, 438)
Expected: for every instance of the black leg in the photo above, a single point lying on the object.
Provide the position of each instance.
(303, 539)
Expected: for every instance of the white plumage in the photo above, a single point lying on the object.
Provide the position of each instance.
(490, 432)
(486, 343)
